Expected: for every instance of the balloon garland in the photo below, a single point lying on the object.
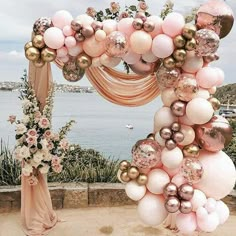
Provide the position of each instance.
(178, 174)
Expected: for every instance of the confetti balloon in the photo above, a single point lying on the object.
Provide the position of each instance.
(214, 135)
(72, 72)
(41, 25)
(207, 42)
(146, 153)
(192, 169)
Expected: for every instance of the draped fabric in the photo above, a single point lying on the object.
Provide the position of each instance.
(37, 213)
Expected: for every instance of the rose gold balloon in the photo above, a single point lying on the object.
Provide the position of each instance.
(170, 144)
(170, 190)
(178, 137)
(72, 72)
(217, 16)
(87, 31)
(207, 42)
(191, 150)
(97, 25)
(192, 169)
(214, 135)
(76, 25)
(79, 37)
(175, 127)
(186, 88)
(167, 78)
(178, 108)
(149, 26)
(146, 153)
(211, 58)
(165, 133)
(172, 204)
(185, 207)
(151, 136)
(144, 68)
(138, 24)
(186, 192)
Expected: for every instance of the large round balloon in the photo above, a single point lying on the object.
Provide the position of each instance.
(219, 176)
(151, 209)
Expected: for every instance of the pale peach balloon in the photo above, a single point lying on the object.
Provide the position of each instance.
(199, 199)
(158, 25)
(184, 120)
(203, 93)
(189, 135)
(76, 50)
(85, 19)
(192, 63)
(109, 26)
(212, 90)
(168, 96)
(171, 172)
(100, 35)
(172, 159)
(207, 77)
(93, 48)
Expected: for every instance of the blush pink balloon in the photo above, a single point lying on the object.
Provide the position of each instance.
(178, 180)
(76, 50)
(163, 118)
(100, 35)
(222, 211)
(109, 26)
(109, 61)
(173, 24)
(70, 42)
(158, 25)
(172, 159)
(221, 76)
(186, 223)
(168, 96)
(192, 63)
(67, 31)
(149, 57)
(162, 46)
(198, 200)
(54, 38)
(203, 93)
(171, 172)
(85, 20)
(96, 62)
(154, 186)
(64, 59)
(125, 26)
(93, 48)
(207, 77)
(131, 57)
(212, 90)
(189, 135)
(140, 42)
(134, 191)
(151, 209)
(61, 19)
(184, 120)
(219, 174)
(62, 52)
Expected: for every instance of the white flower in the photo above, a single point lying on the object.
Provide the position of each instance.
(72, 148)
(31, 140)
(20, 129)
(44, 143)
(26, 103)
(47, 156)
(21, 152)
(34, 164)
(44, 123)
(38, 156)
(27, 170)
(25, 120)
(44, 169)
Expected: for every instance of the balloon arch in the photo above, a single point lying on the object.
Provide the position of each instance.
(178, 174)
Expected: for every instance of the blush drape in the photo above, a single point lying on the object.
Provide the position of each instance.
(37, 212)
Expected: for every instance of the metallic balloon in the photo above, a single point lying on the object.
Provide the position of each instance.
(170, 190)
(32, 54)
(28, 45)
(191, 150)
(79, 37)
(169, 63)
(170, 144)
(185, 207)
(179, 41)
(216, 16)
(178, 137)
(38, 41)
(124, 165)
(39, 63)
(116, 44)
(192, 169)
(97, 25)
(48, 54)
(179, 64)
(166, 133)
(178, 108)
(186, 192)
(149, 26)
(175, 127)
(191, 44)
(133, 172)
(138, 24)
(172, 204)
(186, 88)
(124, 176)
(87, 31)
(142, 179)
(180, 54)
(84, 61)
(214, 135)
(72, 72)
(215, 103)
(141, 15)
(76, 25)
(207, 42)
(211, 58)
(146, 153)
(151, 136)
(167, 78)
(189, 31)
(41, 25)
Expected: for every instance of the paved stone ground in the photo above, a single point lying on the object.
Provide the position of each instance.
(101, 221)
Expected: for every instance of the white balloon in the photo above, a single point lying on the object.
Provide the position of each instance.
(172, 159)
(157, 180)
(199, 199)
(134, 191)
(159, 139)
(223, 211)
(151, 209)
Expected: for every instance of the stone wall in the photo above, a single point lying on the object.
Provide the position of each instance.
(81, 195)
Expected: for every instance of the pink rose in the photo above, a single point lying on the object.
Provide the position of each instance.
(57, 168)
(91, 12)
(44, 123)
(31, 140)
(47, 134)
(32, 133)
(64, 144)
(142, 6)
(56, 137)
(115, 7)
(56, 160)
(37, 116)
(12, 119)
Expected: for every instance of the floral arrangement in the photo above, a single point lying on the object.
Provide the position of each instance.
(38, 147)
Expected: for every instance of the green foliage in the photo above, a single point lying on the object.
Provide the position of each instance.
(226, 94)
(167, 8)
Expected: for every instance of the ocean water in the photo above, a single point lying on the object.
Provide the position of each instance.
(99, 123)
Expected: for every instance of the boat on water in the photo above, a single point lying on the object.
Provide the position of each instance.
(129, 126)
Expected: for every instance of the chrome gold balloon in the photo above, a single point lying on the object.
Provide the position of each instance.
(38, 41)
(179, 54)
(189, 31)
(179, 41)
(215, 103)
(179, 64)
(28, 45)
(39, 63)
(84, 61)
(32, 54)
(124, 165)
(191, 44)
(151, 136)
(142, 179)
(48, 54)
(191, 150)
(133, 172)
(169, 63)
(124, 176)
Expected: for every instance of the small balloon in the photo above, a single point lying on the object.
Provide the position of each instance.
(179, 41)
(79, 37)
(142, 179)
(124, 176)
(172, 204)
(186, 192)
(140, 42)
(170, 144)
(191, 150)
(185, 207)
(87, 31)
(97, 25)
(39, 63)
(166, 133)
(175, 127)
(134, 191)
(144, 68)
(178, 137)
(170, 190)
(124, 165)
(133, 172)
(192, 63)
(28, 45)
(189, 31)
(137, 24)
(178, 108)
(149, 26)
(215, 103)
(76, 25)
(172, 159)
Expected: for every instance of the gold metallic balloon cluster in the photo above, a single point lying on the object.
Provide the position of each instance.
(178, 199)
(129, 172)
(183, 43)
(37, 52)
(141, 22)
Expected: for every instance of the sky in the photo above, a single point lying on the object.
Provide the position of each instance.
(17, 18)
